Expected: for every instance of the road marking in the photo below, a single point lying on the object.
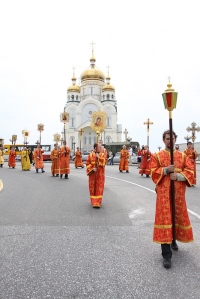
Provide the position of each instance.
(136, 212)
(191, 212)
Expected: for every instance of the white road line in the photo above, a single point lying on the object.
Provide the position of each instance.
(191, 212)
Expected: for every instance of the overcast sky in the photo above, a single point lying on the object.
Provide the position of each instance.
(142, 41)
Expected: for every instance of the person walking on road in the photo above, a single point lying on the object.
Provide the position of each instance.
(11, 158)
(64, 160)
(95, 169)
(193, 155)
(25, 161)
(124, 158)
(182, 173)
(38, 157)
(55, 161)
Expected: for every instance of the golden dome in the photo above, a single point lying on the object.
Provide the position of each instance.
(92, 74)
(73, 88)
(108, 87)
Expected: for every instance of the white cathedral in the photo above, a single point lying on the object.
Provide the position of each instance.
(94, 93)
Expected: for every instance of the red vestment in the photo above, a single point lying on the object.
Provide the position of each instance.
(124, 158)
(96, 178)
(64, 160)
(78, 159)
(144, 165)
(55, 161)
(11, 159)
(163, 215)
(192, 154)
(38, 158)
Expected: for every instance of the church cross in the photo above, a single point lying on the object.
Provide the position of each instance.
(92, 43)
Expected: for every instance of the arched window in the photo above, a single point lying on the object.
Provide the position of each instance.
(108, 121)
(108, 139)
(77, 98)
(72, 97)
(85, 140)
(72, 122)
(108, 96)
(90, 140)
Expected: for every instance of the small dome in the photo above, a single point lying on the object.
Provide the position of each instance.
(73, 88)
(108, 87)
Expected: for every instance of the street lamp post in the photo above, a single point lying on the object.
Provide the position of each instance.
(126, 134)
(148, 123)
(159, 148)
(187, 138)
(81, 133)
(40, 128)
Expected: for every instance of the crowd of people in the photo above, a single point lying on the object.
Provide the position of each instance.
(155, 165)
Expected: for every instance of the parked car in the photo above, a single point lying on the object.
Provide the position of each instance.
(116, 158)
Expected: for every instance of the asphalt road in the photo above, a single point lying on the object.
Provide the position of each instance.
(53, 244)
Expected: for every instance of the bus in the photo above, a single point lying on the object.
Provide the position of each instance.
(18, 148)
(115, 147)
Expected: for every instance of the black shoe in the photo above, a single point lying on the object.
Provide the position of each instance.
(120, 170)
(174, 245)
(147, 176)
(52, 174)
(142, 174)
(66, 176)
(167, 262)
(61, 176)
(57, 175)
(127, 171)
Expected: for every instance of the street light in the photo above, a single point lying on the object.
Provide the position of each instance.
(128, 139)
(187, 138)
(159, 147)
(40, 128)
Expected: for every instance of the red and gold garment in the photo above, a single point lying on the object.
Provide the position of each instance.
(192, 154)
(38, 158)
(124, 159)
(55, 162)
(78, 159)
(163, 217)
(64, 160)
(96, 178)
(145, 160)
(11, 159)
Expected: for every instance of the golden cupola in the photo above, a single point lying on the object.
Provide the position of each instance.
(108, 86)
(92, 73)
(73, 87)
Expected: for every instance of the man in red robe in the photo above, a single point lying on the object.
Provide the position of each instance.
(78, 159)
(95, 168)
(182, 173)
(193, 155)
(55, 161)
(145, 160)
(124, 159)
(11, 158)
(64, 160)
(38, 157)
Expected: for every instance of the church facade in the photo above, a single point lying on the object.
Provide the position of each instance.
(94, 93)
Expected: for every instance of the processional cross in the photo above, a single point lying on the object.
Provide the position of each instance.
(193, 129)
(148, 123)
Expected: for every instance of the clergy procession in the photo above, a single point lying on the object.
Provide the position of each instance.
(76, 192)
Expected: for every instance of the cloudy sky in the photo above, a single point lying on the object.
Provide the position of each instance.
(144, 42)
